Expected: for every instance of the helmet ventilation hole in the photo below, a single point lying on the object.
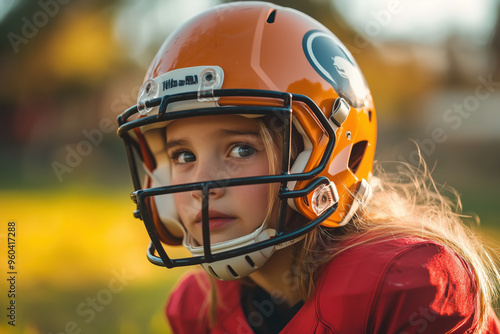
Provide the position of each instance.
(271, 17)
(369, 115)
(213, 271)
(357, 153)
(231, 270)
(250, 262)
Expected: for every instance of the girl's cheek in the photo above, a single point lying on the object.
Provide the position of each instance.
(176, 202)
(180, 204)
(177, 178)
(256, 168)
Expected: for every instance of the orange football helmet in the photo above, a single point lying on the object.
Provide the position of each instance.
(254, 59)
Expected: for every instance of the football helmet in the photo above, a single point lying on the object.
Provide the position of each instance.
(253, 59)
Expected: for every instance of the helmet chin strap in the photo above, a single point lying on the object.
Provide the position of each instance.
(242, 265)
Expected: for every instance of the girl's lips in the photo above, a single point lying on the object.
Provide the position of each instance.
(216, 219)
(218, 223)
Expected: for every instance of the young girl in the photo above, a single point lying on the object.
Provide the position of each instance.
(257, 133)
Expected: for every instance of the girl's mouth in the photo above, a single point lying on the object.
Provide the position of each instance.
(216, 220)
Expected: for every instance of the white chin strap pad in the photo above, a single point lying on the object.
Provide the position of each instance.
(239, 266)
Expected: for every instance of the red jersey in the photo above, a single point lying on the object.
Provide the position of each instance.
(395, 286)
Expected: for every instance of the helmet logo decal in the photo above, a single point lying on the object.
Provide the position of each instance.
(203, 79)
(334, 63)
(188, 79)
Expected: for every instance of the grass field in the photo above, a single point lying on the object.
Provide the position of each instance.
(81, 265)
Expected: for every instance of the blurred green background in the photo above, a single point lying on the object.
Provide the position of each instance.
(70, 67)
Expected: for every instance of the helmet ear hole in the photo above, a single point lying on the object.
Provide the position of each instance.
(357, 153)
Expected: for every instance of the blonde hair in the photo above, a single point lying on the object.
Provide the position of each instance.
(406, 203)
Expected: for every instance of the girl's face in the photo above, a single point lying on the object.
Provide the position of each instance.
(219, 148)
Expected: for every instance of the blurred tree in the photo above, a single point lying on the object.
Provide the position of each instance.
(50, 46)
(56, 59)
(495, 46)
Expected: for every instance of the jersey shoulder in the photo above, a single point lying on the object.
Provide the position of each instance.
(185, 310)
(188, 305)
(397, 284)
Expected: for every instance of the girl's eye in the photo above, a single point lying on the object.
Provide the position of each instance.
(242, 151)
(183, 157)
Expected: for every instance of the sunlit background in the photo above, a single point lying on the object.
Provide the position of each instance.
(68, 68)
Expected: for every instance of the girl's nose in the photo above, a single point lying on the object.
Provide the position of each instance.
(213, 193)
(210, 171)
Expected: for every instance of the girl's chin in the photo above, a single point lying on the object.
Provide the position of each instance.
(219, 236)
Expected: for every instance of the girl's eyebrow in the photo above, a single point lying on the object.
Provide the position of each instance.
(173, 143)
(228, 132)
(221, 133)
